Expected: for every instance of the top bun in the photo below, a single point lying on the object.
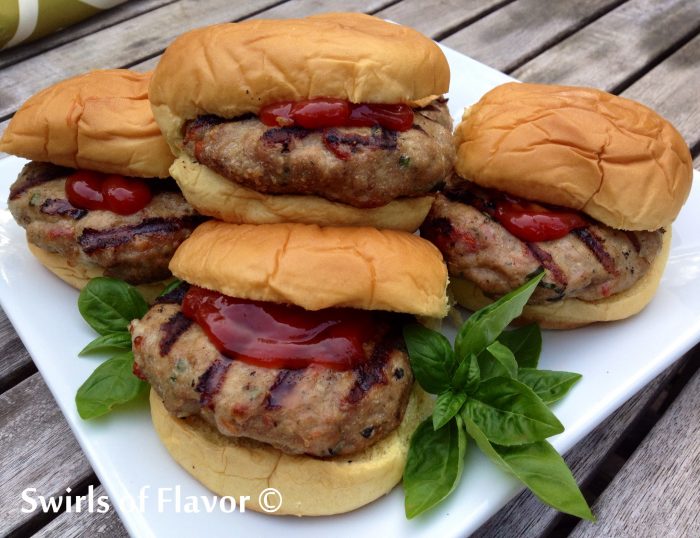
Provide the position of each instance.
(315, 267)
(237, 68)
(98, 121)
(610, 157)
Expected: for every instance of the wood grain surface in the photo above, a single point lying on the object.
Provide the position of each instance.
(15, 362)
(525, 516)
(648, 50)
(84, 524)
(614, 49)
(657, 492)
(509, 36)
(38, 451)
(91, 25)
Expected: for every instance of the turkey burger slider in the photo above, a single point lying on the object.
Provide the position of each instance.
(335, 119)
(93, 199)
(280, 361)
(575, 181)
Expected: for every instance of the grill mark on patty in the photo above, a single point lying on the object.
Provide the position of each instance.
(174, 296)
(92, 240)
(634, 240)
(210, 382)
(371, 372)
(63, 208)
(284, 136)
(595, 245)
(284, 383)
(546, 261)
(172, 330)
(36, 174)
(380, 138)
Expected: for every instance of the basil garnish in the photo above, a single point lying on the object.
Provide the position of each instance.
(489, 389)
(108, 306)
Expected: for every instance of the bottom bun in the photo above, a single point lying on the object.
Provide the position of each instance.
(572, 313)
(307, 486)
(79, 275)
(213, 195)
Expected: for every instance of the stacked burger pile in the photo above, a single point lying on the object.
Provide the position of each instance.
(280, 361)
(316, 147)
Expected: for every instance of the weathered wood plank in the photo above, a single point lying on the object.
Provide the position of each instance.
(290, 9)
(439, 17)
(15, 362)
(78, 525)
(657, 491)
(525, 516)
(38, 450)
(509, 36)
(117, 46)
(614, 48)
(302, 8)
(671, 88)
(102, 20)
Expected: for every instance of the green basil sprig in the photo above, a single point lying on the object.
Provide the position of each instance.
(488, 388)
(108, 305)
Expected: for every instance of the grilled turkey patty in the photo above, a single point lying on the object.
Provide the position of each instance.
(136, 248)
(589, 264)
(359, 166)
(316, 410)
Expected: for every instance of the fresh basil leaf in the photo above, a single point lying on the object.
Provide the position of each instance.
(504, 356)
(170, 287)
(434, 465)
(549, 385)
(510, 413)
(485, 325)
(490, 367)
(525, 343)
(432, 358)
(447, 405)
(112, 383)
(467, 375)
(108, 342)
(540, 468)
(108, 305)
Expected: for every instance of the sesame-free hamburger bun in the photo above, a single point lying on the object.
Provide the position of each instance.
(581, 148)
(211, 84)
(315, 268)
(98, 121)
(621, 167)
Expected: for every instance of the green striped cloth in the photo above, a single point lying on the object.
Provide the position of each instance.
(22, 21)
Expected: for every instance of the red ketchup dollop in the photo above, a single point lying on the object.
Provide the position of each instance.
(86, 189)
(326, 112)
(281, 336)
(533, 222)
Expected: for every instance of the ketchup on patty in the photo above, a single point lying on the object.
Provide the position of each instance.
(86, 189)
(324, 112)
(282, 336)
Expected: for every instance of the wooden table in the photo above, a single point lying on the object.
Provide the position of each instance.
(641, 468)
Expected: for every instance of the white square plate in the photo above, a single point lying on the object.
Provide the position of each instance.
(616, 360)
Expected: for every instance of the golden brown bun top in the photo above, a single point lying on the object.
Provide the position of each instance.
(610, 157)
(315, 267)
(234, 69)
(99, 121)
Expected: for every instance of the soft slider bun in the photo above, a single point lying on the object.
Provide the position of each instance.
(575, 181)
